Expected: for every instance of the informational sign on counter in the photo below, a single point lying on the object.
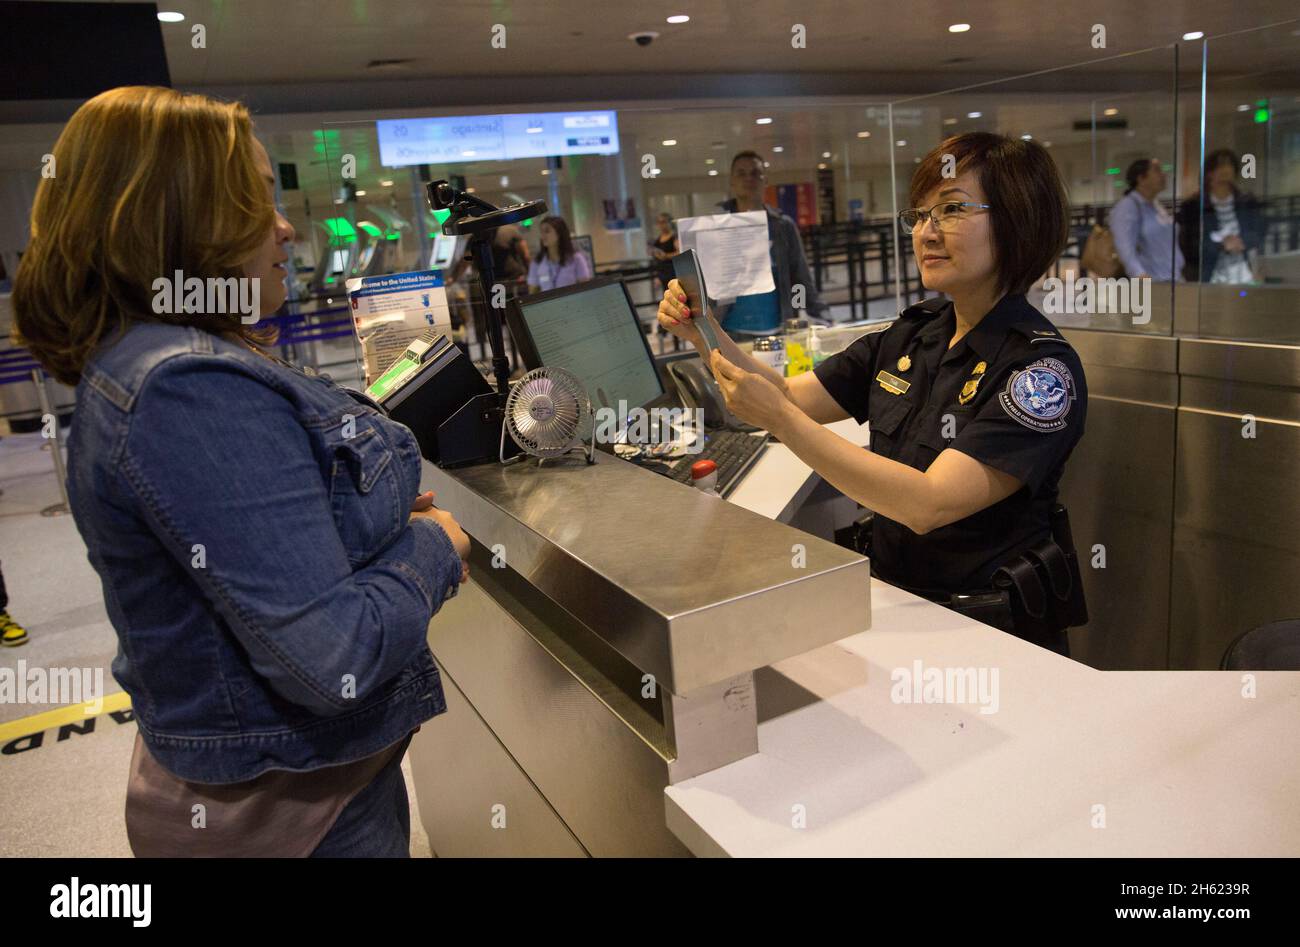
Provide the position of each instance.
(388, 312)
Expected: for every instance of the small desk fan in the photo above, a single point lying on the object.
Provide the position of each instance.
(548, 414)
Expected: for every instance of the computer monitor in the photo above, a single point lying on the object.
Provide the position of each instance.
(592, 330)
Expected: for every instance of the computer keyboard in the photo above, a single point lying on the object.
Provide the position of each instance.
(733, 451)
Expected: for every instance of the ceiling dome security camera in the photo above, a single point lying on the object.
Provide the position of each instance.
(643, 38)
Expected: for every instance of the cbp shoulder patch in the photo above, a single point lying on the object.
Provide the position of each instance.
(1039, 395)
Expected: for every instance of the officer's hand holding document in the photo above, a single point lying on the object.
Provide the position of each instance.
(734, 252)
(690, 279)
(749, 389)
(749, 395)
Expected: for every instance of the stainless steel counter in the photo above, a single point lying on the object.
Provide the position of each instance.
(687, 588)
(604, 648)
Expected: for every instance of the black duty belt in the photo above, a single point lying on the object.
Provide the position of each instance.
(1035, 595)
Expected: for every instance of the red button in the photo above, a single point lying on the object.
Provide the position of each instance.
(702, 468)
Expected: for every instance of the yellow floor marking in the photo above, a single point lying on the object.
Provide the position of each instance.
(74, 713)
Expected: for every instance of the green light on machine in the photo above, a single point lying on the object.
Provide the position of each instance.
(370, 228)
(1112, 170)
(340, 230)
(441, 217)
(1261, 116)
(397, 370)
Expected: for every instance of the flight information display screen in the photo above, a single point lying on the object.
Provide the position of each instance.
(460, 138)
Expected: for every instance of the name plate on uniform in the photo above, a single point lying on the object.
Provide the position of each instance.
(892, 383)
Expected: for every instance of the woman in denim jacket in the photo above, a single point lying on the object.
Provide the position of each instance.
(266, 561)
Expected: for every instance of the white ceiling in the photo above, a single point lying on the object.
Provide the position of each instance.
(292, 41)
(301, 65)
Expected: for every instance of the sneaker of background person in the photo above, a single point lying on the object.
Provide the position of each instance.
(12, 634)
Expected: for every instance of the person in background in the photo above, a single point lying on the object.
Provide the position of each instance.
(269, 564)
(1142, 228)
(510, 254)
(12, 634)
(765, 313)
(1232, 223)
(510, 258)
(663, 248)
(457, 279)
(510, 262)
(558, 263)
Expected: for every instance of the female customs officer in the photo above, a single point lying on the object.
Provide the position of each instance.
(974, 403)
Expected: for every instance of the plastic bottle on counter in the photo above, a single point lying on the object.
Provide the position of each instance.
(770, 350)
(798, 358)
(704, 477)
(815, 346)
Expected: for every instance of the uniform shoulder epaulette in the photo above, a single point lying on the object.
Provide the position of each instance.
(926, 309)
(1041, 334)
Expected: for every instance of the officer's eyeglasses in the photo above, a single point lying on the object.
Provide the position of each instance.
(946, 215)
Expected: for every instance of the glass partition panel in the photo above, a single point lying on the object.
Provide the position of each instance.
(1241, 224)
(825, 166)
(315, 329)
(1109, 125)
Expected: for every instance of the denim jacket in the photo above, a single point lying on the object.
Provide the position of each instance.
(251, 528)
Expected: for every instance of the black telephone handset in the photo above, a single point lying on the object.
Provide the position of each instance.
(699, 390)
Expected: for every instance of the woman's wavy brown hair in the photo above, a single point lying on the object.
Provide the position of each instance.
(147, 181)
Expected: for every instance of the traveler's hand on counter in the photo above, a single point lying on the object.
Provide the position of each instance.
(675, 316)
(750, 396)
(423, 508)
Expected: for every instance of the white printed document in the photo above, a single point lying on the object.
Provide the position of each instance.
(734, 251)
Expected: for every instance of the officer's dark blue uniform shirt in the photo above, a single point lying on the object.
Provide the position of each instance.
(1011, 394)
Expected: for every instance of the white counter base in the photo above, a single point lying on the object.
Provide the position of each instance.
(779, 482)
(1182, 762)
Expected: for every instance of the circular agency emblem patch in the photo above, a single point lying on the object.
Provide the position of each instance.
(1039, 395)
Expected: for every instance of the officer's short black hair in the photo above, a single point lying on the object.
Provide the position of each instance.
(1028, 204)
